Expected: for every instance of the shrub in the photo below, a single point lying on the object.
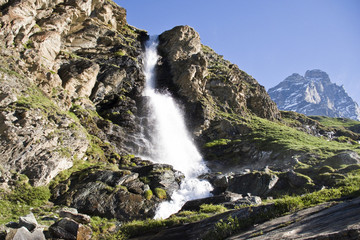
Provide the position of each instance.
(210, 208)
(160, 193)
(218, 142)
(148, 194)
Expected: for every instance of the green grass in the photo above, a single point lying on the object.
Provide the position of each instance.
(21, 199)
(141, 227)
(271, 136)
(217, 142)
(211, 208)
(337, 122)
(104, 228)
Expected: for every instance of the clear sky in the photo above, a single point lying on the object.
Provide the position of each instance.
(268, 39)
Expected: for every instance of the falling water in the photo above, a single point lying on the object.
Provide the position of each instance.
(171, 143)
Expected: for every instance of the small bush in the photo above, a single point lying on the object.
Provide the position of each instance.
(148, 194)
(26, 194)
(210, 208)
(160, 193)
(120, 53)
(218, 142)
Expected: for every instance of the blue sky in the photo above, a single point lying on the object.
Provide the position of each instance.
(268, 39)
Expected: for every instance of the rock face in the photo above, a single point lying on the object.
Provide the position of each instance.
(59, 58)
(206, 83)
(314, 94)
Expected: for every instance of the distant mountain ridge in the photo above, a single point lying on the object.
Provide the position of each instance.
(314, 94)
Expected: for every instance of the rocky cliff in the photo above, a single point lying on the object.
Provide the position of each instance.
(73, 120)
(314, 94)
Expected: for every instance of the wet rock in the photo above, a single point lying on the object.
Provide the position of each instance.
(28, 221)
(69, 229)
(24, 234)
(256, 183)
(162, 176)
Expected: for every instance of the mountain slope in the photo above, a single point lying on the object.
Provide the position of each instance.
(314, 94)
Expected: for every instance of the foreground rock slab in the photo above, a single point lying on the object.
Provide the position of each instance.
(341, 221)
(325, 221)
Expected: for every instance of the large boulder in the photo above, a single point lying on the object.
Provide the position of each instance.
(343, 158)
(69, 229)
(255, 183)
(28, 221)
(121, 194)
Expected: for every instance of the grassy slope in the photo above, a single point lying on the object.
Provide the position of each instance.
(344, 123)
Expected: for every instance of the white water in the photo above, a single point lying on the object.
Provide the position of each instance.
(171, 143)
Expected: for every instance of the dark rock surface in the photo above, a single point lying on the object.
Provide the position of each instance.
(257, 183)
(67, 228)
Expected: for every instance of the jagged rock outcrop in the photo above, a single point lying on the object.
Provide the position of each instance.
(314, 94)
(61, 57)
(207, 83)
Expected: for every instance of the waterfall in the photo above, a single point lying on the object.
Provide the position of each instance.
(171, 142)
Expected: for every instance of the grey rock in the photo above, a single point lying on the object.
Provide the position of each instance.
(256, 183)
(24, 234)
(28, 221)
(245, 201)
(77, 217)
(343, 158)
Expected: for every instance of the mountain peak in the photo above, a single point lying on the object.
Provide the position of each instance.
(316, 75)
(314, 94)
